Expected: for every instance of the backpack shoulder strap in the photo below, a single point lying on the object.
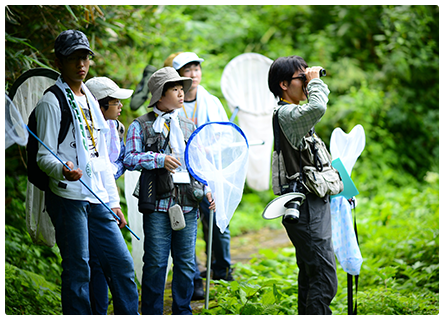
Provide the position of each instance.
(120, 129)
(276, 132)
(65, 110)
(35, 175)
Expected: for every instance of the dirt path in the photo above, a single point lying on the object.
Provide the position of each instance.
(245, 246)
(242, 249)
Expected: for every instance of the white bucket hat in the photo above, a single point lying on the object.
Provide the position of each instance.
(184, 58)
(162, 76)
(276, 207)
(102, 87)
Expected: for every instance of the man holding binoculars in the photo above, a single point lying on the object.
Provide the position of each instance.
(297, 147)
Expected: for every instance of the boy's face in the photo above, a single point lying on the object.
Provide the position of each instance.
(293, 91)
(75, 67)
(172, 100)
(194, 72)
(114, 109)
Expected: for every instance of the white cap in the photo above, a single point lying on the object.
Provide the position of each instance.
(184, 58)
(102, 87)
(276, 208)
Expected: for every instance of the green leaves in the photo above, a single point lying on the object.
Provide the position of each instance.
(29, 293)
(266, 286)
(383, 73)
(398, 232)
(249, 298)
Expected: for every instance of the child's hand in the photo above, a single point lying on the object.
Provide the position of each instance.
(71, 175)
(171, 163)
(211, 201)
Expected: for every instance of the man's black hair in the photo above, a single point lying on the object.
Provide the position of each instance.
(59, 56)
(282, 69)
(104, 102)
(168, 85)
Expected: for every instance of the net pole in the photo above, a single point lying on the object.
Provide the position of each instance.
(209, 247)
(86, 186)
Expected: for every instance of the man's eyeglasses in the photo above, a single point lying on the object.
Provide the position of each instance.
(117, 103)
(303, 78)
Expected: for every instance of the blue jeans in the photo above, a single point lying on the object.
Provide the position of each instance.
(78, 225)
(159, 240)
(98, 285)
(221, 257)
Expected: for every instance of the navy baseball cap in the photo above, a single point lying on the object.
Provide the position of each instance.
(69, 41)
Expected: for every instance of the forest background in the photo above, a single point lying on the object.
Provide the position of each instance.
(383, 73)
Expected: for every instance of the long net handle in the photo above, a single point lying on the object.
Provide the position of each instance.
(87, 187)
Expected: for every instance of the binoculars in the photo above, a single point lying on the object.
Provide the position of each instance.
(322, 73)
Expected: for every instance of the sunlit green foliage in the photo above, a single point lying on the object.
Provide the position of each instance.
(399, 241)
(382, 71)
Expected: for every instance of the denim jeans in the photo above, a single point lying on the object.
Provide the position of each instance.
(159, 240)
(98, 285)
(78, 225)
(221, 256)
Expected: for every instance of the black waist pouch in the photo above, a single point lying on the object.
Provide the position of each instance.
(153, 185)
(147, 191)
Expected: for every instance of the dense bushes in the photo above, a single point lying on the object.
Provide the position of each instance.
(399, 241)
(382, 65)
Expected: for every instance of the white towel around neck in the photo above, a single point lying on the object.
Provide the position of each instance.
(177, 142)
(90, 172)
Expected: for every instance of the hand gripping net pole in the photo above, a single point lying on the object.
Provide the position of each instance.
(217, 155)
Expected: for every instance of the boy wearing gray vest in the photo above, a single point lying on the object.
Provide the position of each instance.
(157, 140)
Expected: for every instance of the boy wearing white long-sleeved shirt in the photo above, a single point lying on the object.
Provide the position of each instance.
(79, 218)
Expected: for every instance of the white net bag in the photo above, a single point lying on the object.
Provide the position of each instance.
(244, 84)
(29, 88)
(135, 220)
(15, 130)
(217, 155)
(25, 93)
(348, 148)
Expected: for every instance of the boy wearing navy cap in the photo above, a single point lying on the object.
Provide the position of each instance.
(80, 220)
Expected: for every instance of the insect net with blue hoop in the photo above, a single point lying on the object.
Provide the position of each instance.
(217, 155)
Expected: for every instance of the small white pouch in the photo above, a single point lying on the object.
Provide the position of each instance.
(176, 218)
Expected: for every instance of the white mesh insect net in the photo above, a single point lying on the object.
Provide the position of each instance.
(217, 155)
(25, 93)
(244, 84)
(15, 130)
(348, 148)
(135, 220)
